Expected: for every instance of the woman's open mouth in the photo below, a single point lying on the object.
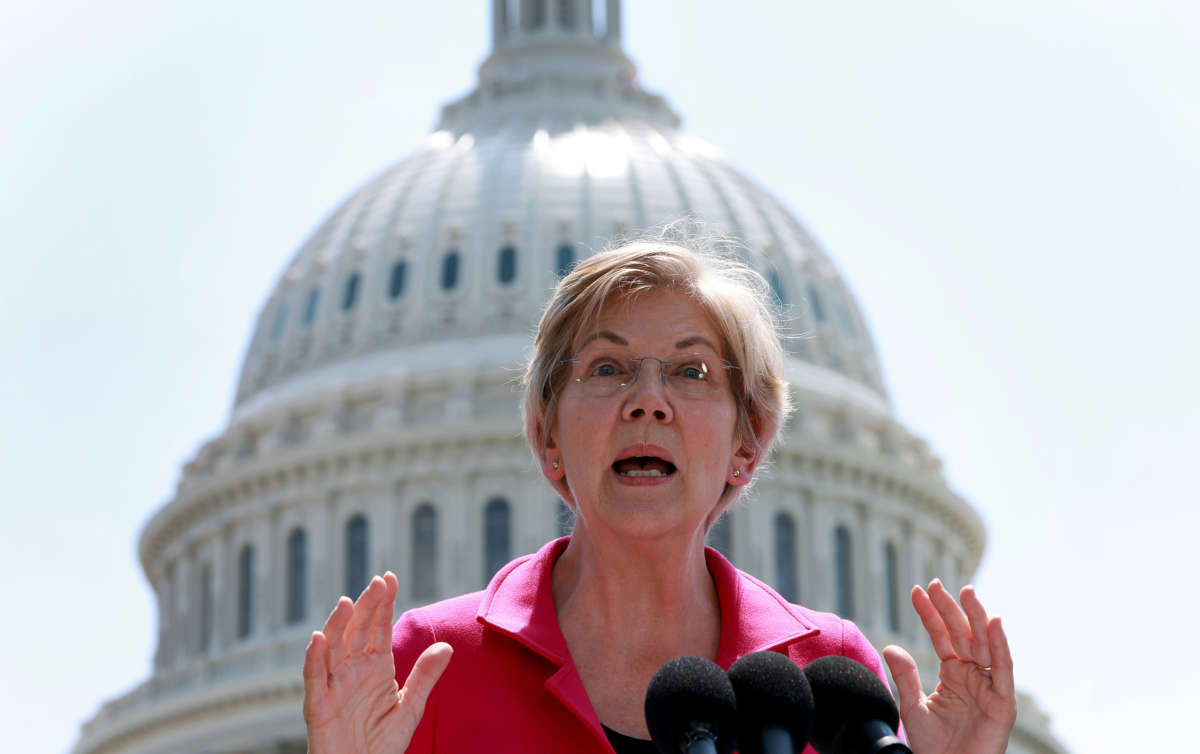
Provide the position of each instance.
(643, 466)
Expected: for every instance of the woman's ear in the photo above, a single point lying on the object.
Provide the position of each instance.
(747, 454)
(551, 458)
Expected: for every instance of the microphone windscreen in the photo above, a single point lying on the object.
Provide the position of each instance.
(688, 694)
(846, 693)
(771, 691)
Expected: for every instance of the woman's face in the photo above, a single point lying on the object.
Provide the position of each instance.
(648, 459)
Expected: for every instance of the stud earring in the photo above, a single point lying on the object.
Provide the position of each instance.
(555, 464)
(737, 472)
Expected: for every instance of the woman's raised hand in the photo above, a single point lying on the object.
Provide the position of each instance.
(974, 707)
(352, 703)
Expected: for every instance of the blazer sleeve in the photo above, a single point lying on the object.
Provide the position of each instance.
(411, 635)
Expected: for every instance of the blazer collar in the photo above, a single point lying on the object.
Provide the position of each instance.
(519, 603)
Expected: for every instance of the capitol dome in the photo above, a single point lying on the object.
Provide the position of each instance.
(376, 422)
(556, 154)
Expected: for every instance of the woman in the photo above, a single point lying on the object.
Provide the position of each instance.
(654, 394)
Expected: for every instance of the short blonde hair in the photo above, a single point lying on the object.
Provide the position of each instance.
(734, 296)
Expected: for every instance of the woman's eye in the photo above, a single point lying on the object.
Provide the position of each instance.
(694, 372)
(605, 369)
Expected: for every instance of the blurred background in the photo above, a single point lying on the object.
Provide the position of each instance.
(1008, 189)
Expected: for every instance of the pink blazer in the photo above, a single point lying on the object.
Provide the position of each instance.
(512, 687)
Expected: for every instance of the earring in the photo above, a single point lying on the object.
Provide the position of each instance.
(737, 472)
(555, 464)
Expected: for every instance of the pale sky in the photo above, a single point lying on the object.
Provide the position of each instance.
(1010, 189)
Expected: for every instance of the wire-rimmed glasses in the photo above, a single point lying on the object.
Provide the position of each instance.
(606, 371)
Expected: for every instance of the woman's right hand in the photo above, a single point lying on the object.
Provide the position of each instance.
(352, 703)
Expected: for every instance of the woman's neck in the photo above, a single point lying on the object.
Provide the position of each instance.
(641, 597)
(626, 606)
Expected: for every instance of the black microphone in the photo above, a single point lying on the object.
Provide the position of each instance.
(774, 704)
(691, 709)
(855, 713)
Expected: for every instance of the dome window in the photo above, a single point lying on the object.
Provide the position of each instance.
(350, 294)
(450, 270)
(720, 535)
(777, 288)
(843, 554)
(564, 259)
(424, 553)
(397, 279)
(310, 306)
(356, 555)
(497, 535)
(506, 265)
(533, 14)
(297, 575)
(245, 612)
(891, 583)
(565, 518)
(814, 298)
(206, 607)
(785, 556)
(566, 14)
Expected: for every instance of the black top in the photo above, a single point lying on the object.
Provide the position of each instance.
(623, 744)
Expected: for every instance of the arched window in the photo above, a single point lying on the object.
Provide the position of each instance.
(843, 555)
(785, 556)
(297, 575)
(566, 14)
(424, 553)
(206, 607)
(891, 583)
(397, 279)
(533, 14)
(450, 270)
(356, 556)
(310, 306)
(776, 283)
(506, 265)
(350, 294)
(245, 615)
(497, 537)
(564, 259)
(814, 299)
(566, 519)
(720, 536)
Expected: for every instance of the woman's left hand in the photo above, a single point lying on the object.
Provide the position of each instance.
(974, 707)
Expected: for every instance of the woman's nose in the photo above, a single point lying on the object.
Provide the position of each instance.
(647, 394)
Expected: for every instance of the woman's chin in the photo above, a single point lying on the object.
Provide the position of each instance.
(651, 519)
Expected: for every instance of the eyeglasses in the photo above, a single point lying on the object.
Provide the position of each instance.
(605, 371)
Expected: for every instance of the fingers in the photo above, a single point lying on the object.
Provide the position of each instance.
(954, 619)
(905, 675)
(1002, 662)
(358, 632)
(931, 619)
(334, 631)
(381, 623)
(978, 619)
(426, 671)
(316, 671)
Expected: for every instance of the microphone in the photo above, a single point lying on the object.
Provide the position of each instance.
(691, 709)
(855, 713)
(774, 704)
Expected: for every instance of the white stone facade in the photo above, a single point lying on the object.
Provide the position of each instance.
(376, 402)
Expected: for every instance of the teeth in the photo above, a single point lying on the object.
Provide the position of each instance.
(642, 472)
